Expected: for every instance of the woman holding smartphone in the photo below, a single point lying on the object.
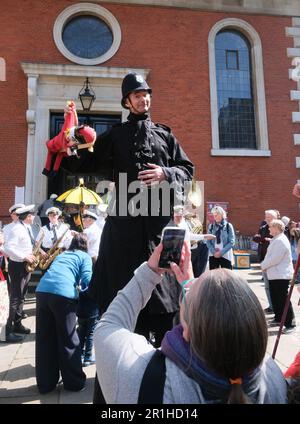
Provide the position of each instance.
(229, 366)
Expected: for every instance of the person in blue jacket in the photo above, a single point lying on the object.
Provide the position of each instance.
(221, 248)
(57, 344)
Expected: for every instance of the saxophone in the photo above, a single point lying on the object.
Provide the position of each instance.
(37, 254)
(46, 261)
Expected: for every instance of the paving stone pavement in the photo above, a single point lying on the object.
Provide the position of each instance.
(17, 373)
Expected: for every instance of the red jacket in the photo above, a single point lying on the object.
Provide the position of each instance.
(57, 146)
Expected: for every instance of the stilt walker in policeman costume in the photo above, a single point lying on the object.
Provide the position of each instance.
(147, 152)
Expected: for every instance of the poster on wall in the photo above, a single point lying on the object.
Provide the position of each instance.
(19, 194)
(210, 206)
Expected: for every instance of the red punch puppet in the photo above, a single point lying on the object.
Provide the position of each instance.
(71, 138)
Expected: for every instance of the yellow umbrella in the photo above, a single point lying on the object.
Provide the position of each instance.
(79, 195)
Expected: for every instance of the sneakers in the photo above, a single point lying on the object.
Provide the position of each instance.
(289, 330)
(268, 311)
(21, 329)
(13, 338)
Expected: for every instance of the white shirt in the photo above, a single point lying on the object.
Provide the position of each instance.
(48, 240)
(7, 228)
(93, 233)
(189, 236)
(100, 222)
(18, 243)
(228, 255)
(184, 226)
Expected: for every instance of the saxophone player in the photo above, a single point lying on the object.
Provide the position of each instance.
(19, 247)
(54, 230)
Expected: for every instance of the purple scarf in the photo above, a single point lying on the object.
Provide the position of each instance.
(213, 387)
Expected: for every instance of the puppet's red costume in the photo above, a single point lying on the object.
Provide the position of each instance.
(61, 145)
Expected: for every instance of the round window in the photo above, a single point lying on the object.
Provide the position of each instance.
(87, 36)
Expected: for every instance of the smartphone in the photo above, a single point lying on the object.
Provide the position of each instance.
(172, 240)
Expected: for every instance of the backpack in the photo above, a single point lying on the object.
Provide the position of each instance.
(154, 377)
(211, 227)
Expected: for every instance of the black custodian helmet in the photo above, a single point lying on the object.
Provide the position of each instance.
(133, 82)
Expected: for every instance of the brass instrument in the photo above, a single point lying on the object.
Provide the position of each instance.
(195, 227)
(37, 254)
(194, 194)
(46, 261)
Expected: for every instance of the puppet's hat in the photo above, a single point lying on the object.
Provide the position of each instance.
(88, 133)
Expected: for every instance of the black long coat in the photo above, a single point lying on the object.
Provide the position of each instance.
(260, 238)
(128, 240)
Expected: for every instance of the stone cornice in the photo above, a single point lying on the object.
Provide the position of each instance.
(276, 7)
(79, 70)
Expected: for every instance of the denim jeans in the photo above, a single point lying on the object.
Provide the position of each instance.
(85, 331)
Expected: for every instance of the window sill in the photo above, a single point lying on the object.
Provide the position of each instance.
(240, 152)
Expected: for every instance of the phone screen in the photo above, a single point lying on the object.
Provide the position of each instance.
(172, 241)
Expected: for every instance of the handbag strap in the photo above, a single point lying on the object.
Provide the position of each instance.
(153, 381)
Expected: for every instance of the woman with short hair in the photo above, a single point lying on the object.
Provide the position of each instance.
(279, 268)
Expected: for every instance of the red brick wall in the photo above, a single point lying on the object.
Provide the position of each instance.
(173, 44)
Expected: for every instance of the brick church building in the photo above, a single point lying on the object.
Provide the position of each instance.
(222, 74)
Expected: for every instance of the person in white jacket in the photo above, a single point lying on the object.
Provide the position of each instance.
(93, 232)
(279, 268)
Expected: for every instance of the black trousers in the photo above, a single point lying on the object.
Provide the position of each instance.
(215, 263)
(278, 293)
(19, 280)
(57, 347)
(199, 258)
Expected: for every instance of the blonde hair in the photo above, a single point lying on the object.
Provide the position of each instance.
(277, 223)
(220, 210)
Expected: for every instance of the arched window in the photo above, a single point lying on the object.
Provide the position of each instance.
(2, 69)
(238, 106)
(234, 90)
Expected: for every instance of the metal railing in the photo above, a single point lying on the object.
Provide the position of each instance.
(244, 243)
